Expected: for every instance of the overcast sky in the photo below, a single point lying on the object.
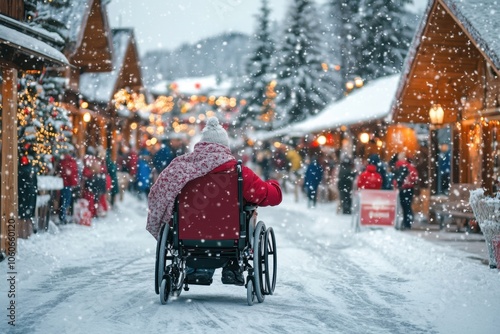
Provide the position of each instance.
(168, 24)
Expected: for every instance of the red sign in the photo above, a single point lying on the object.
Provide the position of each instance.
(378, 207)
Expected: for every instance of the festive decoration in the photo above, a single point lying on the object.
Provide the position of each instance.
(44, 127)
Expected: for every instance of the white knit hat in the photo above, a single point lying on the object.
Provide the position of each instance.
(214, 133)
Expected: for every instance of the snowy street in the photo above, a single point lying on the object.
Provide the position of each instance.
(330, 280)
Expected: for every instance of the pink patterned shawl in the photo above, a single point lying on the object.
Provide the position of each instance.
(205, 157)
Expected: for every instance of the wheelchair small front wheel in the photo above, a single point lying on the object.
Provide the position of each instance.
(250, 292)
(165, 290)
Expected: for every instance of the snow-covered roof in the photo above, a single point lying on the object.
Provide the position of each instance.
(100, 87)
(481, 19)
(370, 103)
(30, 45)
(194, 86)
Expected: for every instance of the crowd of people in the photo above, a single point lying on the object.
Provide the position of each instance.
(306, 172)
(102, 181)
(336, 176)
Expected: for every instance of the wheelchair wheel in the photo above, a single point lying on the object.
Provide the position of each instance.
(165, 288)
(270, 261)
(161, 253)
(250, 291)
(258, 256)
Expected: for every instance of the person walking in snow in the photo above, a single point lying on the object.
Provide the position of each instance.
(163, 156)
(295, 162)
(94, 183)
(312, 179)
(144, 173)
(345, 184)
(211, 155)
(382, 169)
(370, 178)
(405, 179)
(113, 176)
(68, 170)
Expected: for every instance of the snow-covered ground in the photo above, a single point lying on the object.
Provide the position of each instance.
(100, 279)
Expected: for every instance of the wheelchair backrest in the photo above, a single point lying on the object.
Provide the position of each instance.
(208, 208)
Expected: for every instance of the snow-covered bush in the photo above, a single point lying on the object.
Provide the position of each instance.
(487, 213)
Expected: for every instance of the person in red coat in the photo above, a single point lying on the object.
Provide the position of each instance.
(370, 178)
(405, 179)
(68, 170)
(210, 155)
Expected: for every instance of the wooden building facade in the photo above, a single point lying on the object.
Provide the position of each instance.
(21, 49)
(454, 63)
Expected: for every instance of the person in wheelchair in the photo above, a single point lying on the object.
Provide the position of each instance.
(211, 154)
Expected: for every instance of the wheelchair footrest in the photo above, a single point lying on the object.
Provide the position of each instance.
(199, 280)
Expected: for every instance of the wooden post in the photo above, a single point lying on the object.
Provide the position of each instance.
(8, 169)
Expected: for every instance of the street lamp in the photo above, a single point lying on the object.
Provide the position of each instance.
(358, 82)
(436, 114)
(349, 85)
(364, 137)
(87, 117)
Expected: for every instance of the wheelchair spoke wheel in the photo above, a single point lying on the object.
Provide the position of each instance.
(271, 261)
(258, 265)
(165, 287)
(250, 292)
(161, 254)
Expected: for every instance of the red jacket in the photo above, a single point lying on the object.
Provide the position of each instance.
(370, 178)
(68, 170)
(133, 160)
(255, 190)
(411, 178)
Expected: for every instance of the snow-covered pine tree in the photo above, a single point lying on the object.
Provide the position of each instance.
(46, 15)
(343, 25)
(30, 10)
(301, 86)
(385, 37)
(259, 74)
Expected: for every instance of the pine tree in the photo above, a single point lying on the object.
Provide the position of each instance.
(302, 87)
(30, 10)
(47, 17)
(385, 37)
(258, 72)
(344, 29)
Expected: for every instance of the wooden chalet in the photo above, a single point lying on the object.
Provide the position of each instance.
(22, 49)
(88, 47)
(454, 63)
(117, 94)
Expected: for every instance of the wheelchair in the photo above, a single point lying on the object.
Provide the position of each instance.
(210, 226)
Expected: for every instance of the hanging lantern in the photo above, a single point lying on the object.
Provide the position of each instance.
(436, 114)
